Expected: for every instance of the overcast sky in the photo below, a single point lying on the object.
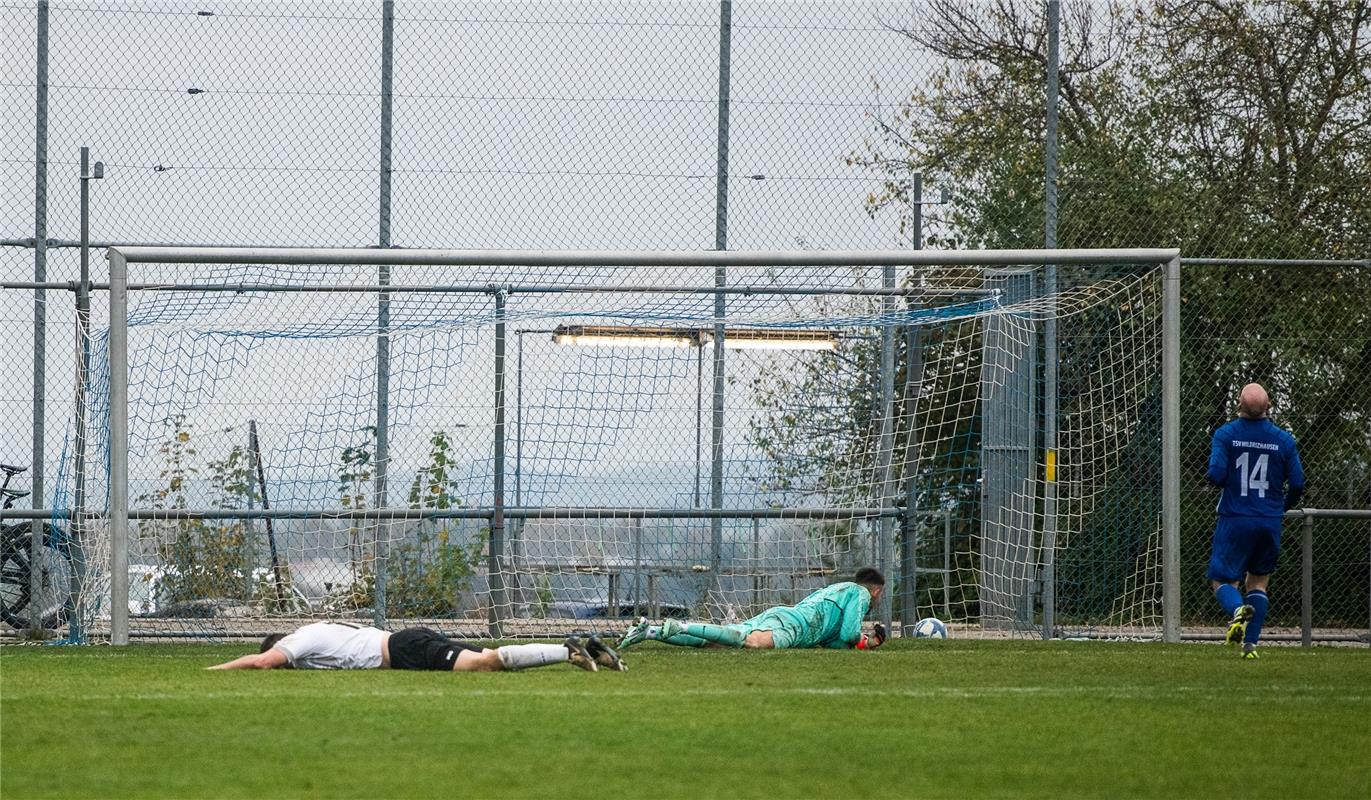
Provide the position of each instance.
(566, 126)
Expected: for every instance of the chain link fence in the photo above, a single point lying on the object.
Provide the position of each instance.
(1305, 333)
(1229, 131)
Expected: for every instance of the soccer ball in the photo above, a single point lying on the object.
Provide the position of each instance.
(930, 628)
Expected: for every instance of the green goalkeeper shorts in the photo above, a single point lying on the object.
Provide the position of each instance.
(786, 627)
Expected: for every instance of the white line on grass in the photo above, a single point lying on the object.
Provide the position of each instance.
(1267, 693)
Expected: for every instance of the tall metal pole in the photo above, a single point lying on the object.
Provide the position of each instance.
(1054, 11)
(40, 308)
(716, 487)
(909, 567)
(1171, 451)
(497, 517)
(118, 448)
(1049, 541)
(382, 542)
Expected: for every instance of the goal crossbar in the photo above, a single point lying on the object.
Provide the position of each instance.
(634, 258)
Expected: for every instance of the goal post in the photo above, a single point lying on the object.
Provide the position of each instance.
(576, 502)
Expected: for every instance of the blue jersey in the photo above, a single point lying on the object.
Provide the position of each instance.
(1253, 459)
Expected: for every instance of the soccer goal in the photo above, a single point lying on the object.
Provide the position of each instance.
(505, 443)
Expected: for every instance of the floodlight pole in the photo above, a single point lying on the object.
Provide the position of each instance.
(40, 309)
(381, 544)
(716, 488)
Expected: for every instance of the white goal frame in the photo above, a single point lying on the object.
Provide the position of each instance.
(120, 257)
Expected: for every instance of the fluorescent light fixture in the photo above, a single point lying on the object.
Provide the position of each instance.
(626, 336)
(778, 339)
(734, 339)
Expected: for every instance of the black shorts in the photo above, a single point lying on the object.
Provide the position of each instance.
(423, 648)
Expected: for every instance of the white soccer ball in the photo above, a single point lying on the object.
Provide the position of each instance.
(930, 628)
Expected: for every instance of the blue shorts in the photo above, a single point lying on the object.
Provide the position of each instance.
(1243, 545)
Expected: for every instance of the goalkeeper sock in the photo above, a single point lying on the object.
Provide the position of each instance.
(680, 640)
(523, 656)
(1229, 597)
(719, 634)
(1259, 602)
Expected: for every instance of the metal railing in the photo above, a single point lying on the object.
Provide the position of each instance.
(1307, 563)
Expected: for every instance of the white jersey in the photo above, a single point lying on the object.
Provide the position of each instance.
(333, 645)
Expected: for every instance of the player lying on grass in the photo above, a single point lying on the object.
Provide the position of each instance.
(340, 645)
(830, 617)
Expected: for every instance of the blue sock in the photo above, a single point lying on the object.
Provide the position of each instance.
(1229, 597)
(1257, 599)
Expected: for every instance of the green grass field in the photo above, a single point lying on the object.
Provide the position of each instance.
(915, 719)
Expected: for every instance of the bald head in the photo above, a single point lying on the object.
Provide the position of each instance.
(1253, 402)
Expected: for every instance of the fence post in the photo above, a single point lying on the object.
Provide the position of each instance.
(1049, 540)
(1307, 581)
(716, 488)
(1171, 451)
(40, 308)
(382, 475)
(118, 449)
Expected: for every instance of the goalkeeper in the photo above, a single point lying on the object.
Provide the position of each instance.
(830, 617)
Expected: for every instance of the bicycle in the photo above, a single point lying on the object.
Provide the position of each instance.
(54, 604)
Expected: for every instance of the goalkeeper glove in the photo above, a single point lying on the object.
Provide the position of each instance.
(870, 642)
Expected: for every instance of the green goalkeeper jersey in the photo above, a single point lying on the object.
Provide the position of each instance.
(830, 617)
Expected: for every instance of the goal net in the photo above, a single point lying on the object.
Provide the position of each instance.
(525, 450)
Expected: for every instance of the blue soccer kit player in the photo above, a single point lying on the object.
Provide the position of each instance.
(1251, 459)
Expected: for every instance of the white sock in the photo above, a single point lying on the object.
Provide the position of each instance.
(523, 656)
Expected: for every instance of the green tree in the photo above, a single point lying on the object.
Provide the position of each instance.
(230, 545)
(355, 483)
(428, 575)
(1224, 128)
(201, 559)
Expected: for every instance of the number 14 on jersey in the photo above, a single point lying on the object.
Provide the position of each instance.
(1255, 479)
